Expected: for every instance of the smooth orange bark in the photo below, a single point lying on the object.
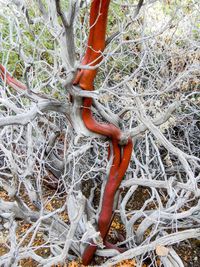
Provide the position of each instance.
(85, 79)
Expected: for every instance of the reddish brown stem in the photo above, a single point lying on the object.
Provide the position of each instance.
(114, 180)
(96, 43)
(112, 186)
(108, 130)
(85, 79)
(14, 83)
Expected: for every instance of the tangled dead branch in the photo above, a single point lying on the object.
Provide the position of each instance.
(54, 170)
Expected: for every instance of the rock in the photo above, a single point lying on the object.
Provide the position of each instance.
(161, 250)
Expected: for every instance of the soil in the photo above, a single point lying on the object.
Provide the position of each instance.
(189, 251)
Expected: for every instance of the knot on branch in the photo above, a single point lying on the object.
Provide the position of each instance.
(124, 139)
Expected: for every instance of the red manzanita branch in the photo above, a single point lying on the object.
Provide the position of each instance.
(96, 43)
(85, 79)
(9, 80)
